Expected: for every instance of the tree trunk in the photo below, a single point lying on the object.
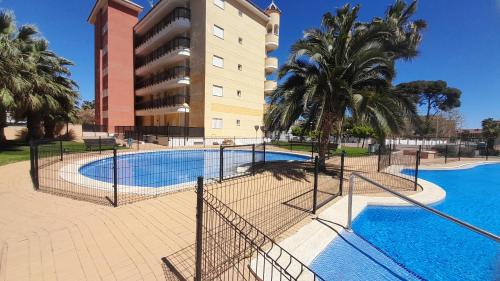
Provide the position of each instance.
(49, 126)
(34, 125)
(3, 124)
(323, 141)
(427, 125)
(339, 130)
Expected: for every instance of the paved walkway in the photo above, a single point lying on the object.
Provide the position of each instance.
(46, 237)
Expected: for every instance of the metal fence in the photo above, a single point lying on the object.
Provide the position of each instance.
(239, 218)
(229, 247)
(107, 174)
(444, 150)
(94, 128)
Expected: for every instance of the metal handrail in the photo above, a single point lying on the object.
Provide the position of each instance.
(405, 198)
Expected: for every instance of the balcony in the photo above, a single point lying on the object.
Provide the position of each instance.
(178, 21)
(172, 52)
(271, 65)
(170, 104)
(272, 42)
(169, 79)
(269, 87)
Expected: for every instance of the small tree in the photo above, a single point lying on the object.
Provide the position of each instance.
(434, 96)
(362, 132)
(491, 131)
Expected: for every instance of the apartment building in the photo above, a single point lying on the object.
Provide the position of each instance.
(186, 63)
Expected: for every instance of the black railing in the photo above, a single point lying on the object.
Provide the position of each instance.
(177, 13)
(138, 132)
(162, 102)
(94, 128)
(230, 247)
(179, 42)
(171, 73)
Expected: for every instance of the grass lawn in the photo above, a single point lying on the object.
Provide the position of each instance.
(350, 151)
(15, 151)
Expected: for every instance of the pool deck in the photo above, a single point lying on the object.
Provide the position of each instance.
(47, 237)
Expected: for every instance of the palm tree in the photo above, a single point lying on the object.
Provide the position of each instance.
(51, 94)
(35, 82)
(11, 82)
(346, 68)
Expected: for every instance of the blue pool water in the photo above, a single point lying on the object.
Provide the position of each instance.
(163, 168)
(428, 246)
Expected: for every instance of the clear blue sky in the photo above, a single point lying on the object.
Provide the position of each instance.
(460, 46)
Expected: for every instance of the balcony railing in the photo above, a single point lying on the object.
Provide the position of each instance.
(270, 86)
(178, 42)
(162, 102)
(175, 72)
(272, 42)
(177, 13)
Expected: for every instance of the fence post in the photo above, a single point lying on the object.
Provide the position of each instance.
(446, 153)
(199, 229)
(459, 149)
(61, 148)
(417, 163)
(221, 163)
(290, 143)
(487, 151)
(312, 149)
(264, 148)
(37, 178)
(341, 185)
(115, 178)
(138, 140)
(390, 153)
(349, 203)
(315, 187)
(253, 158)
(32, 160)
(100, 145)
(379, 156)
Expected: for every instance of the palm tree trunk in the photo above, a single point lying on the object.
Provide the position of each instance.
(323, 141)
(49, 126)
(34, 125)
(339, 133)
(3, 124)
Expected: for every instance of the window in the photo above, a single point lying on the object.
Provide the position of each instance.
(219, 31)
(238, 93)
(238, 122)
(105, 50)
(216, 123)
(218, 61)
(269, 28)
(240, 40)
(104, 28)
(240, 67)
(219, 3)
(276, 29)
(105, 92)
(217, 91)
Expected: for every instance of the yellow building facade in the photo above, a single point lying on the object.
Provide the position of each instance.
(204, 64)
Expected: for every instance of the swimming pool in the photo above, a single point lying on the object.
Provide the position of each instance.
(164, 168)
(418, 242)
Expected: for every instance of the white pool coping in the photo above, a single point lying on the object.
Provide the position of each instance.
(310, 240)
(71, 173)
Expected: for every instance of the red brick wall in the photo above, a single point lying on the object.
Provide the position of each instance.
(120, 65)
(119, 62)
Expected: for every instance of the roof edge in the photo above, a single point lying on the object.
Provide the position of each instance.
(99, 3)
